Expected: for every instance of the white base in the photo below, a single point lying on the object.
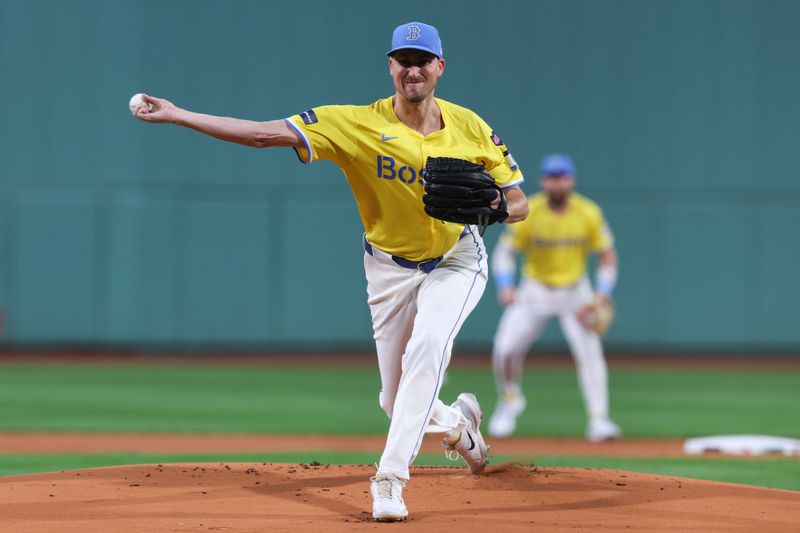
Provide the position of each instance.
(742, 445)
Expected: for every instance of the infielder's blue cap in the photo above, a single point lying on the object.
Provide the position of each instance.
(557, 165)
(419, 36)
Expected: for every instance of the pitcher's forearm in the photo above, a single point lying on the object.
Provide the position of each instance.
(517, 205)
(240, 131)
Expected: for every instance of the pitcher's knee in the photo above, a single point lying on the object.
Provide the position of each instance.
(427, 352)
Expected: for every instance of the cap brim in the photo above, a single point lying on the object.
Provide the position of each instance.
(423, 48)
(557, 172)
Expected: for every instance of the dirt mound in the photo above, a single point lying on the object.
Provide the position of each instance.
(278, 497)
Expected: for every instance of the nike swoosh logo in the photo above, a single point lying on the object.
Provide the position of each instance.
(471, 442)
(384, 138)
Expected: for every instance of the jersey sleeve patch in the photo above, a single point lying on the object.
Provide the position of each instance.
(309, 117)
(496, 139)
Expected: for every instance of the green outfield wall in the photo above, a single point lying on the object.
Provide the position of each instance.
(682, 117)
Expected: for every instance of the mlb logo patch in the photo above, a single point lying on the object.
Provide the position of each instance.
(309, 117)
(496, 139)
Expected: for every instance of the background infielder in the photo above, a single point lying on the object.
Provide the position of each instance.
(424, 276)
(555, 241)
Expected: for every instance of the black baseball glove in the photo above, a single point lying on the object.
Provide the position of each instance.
(462, 191)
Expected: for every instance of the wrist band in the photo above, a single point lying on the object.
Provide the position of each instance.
(606, 279)
(503, 280)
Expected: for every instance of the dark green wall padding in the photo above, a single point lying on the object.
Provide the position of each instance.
(682, 116)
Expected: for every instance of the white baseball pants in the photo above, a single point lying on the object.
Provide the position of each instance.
(416, 317)
(522, 324)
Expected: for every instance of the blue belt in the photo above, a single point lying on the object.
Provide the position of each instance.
(424, 266)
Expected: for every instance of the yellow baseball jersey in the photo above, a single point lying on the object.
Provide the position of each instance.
(384, 162)
(556, 246)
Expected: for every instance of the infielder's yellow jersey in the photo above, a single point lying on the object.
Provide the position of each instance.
(555, 246)
(384, 162)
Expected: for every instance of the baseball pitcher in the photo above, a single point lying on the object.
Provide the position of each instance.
(555, 242)
(428, 176)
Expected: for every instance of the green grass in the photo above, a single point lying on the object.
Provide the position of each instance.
(659, 402)
(774, 473)
(262, 399)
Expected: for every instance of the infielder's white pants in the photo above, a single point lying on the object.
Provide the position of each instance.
(416, 317)
(522, 323)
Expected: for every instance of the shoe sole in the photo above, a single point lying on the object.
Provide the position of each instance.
(472, 401)
(605, 438)
(386, 517)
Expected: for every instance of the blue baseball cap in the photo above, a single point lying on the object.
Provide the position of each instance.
(417, 35)
(557, 165)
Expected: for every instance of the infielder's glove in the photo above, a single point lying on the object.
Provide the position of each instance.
(597, 315)
(462, 191)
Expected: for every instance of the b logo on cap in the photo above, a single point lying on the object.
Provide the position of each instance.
(413, 33)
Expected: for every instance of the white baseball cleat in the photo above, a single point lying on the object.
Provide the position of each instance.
(504, 419)
(387, 498)
(467, 441)
(603, 429)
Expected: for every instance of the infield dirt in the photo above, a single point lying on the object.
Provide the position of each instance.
(268, 497)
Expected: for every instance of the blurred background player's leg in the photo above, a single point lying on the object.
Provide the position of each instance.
(521, 324)
(587, 350)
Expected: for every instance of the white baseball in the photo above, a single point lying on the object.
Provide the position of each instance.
(137, 101)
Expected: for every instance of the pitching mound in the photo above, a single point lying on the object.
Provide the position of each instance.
(278, 497)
